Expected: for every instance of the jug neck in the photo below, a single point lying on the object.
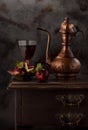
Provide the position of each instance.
(66, 52)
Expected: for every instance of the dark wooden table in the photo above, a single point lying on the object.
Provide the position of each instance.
(54, 102)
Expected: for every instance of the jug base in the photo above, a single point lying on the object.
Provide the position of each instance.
(66, 76)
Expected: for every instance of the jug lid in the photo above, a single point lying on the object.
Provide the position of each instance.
(67, 27)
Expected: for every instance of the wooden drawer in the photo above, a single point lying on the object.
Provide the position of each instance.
(42, 107)
(52, 116)
(55, 98)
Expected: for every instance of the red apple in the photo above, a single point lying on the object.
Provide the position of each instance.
(42, 75)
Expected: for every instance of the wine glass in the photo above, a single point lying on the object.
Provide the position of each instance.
(27, 48)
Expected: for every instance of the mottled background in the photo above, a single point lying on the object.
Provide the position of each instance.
(19, 20)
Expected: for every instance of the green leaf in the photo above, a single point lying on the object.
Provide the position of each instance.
(20, 64)
(39, 67)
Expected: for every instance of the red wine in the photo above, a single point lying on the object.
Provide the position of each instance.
(29, 52)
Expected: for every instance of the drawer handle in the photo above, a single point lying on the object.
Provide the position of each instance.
(70, 100)
(69, 119)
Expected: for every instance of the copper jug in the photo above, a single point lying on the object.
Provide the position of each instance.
(64, 65)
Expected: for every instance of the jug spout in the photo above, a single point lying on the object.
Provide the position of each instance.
(48, 61)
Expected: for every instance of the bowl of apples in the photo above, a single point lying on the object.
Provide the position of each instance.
(22, 71)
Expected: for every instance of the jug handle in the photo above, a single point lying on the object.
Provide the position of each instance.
(48, 44)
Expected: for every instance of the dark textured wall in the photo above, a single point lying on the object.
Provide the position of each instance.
(19, 20)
